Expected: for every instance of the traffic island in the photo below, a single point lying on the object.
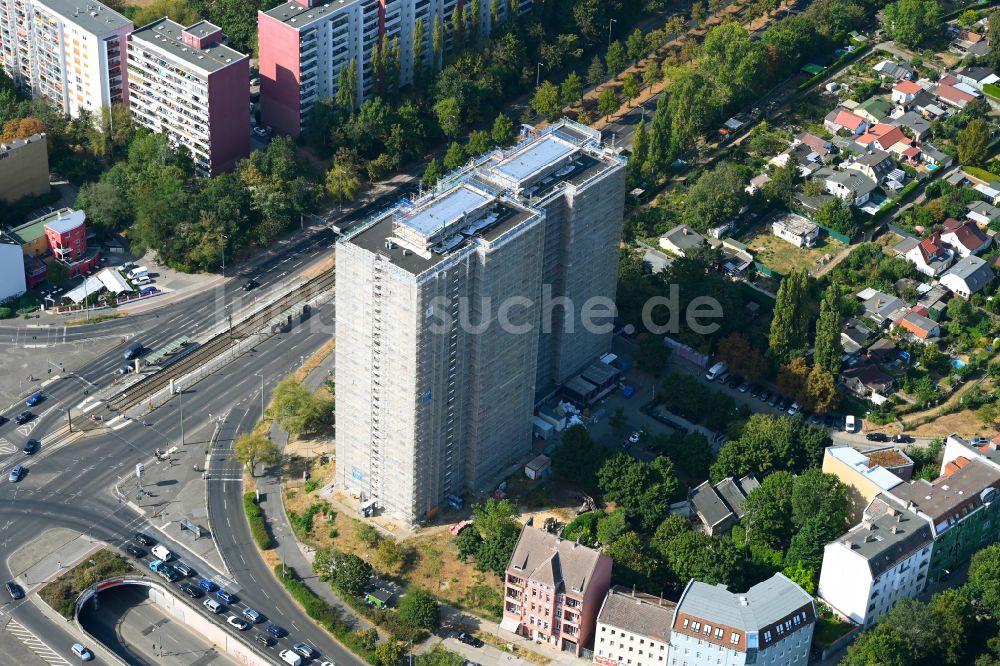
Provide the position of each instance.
(62, 593)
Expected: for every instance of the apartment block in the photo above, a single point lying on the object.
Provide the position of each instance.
(440, 307)
(771, 623)
(633, 629)
(554, 590)
(879, 561)
(304, 44)
(866, 474)
(24, 168)
(68, 52)
(186, 83)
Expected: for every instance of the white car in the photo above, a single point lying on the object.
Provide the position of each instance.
(290, 658)
(83, 653)
(260, 131)
(634, 438)
(162, 553)
(238, 622)
(794, 409)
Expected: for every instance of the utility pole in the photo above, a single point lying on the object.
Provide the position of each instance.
(261, 375)
(180, 397)
(223, 238)
(610, 23)
(538, 74)
(69, 417)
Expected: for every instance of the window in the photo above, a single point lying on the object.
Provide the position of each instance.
(719, 633)
(685, 623)
(767, 636)
(780, 629)
(708, 629)
(695, 626)
(734, 638)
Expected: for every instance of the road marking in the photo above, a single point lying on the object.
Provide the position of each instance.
(6, 447)
(33, 643)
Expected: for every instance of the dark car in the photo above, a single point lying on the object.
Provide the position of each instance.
(192, 591)
(3, 419)
(23, 417)
(144, 539)
(264, 640)
(734, 381)
(833, 421)
(134, 550)
(184, 569)
(469, 639)
(228, 597)
(764, 396)
(877, 437)
(754, 391)
(250, 284)
(902, 439)
(275, 630)
(14, 590)
(31, 446)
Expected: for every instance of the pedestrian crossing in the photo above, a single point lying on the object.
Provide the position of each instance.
(34, 644)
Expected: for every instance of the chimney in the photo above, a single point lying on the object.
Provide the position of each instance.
(895, 530)
(684, 231)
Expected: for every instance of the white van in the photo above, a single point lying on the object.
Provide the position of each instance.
(162, 553)
(290, 657)
(850, 423)
(139, 271)
(212, 605)
(715, 371)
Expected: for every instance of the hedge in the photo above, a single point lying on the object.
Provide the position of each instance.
(322, 612)
(258, 529)
(992, 90)
(889, 205)
(981, 174)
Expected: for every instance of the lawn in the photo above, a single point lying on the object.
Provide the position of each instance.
(62, 593)
(783, 257)
(828, 630)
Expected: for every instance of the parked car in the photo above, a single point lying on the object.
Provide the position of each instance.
(773, 400)
(634, 437)
(184, 569)
(744, 387)
(734, 381)
(877, 437)
(469, 639)
(260, 131)
(793, 409)
(902, 439)
(764, 395)
(755, 391)
(82, 652)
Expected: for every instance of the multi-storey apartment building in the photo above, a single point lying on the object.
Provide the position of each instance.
(68, 52)
(881, 560)
(554, 589)
(440, 305)
(633, 629)
(186, 83)
(770, 624)
(304, 45)
(24, 168)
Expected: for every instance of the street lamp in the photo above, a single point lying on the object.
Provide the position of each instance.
(538, 74)
(610, 23)
(261, 375)
(223, 238)
(180, 398)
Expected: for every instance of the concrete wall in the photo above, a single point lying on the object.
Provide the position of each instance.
(24, 168)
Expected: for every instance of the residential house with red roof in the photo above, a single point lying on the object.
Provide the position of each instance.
(919, 327)
(953, 92)
(905, 92)
(885, 137)
(931, 256)
(964, 237)
(842, 119)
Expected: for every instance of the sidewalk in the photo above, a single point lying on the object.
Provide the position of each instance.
(174, 490)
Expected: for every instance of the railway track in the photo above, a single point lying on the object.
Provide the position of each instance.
(153, 383)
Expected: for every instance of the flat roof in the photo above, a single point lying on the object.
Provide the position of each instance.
(446, 210)
(35, 229)
(534, 158)
(299, 16)
(91, 16)
(164, 36)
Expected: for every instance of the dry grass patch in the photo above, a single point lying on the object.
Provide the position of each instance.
(783, 257)
(313, 361)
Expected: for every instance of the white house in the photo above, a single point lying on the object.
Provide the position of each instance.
(931, 256)
(964, 237)
(633, 629)
(878, 562)
(853, 187)
(967, 277)
(12, 282)
(796, 229)
(905, 92)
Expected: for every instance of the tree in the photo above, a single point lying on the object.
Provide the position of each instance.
(672, 526)
(389, 652)
(631, 86)
(437, 43)
(595, 72)
(651, 74)
(252, 449)
(984, 578)
(770, 443)
(449, 116)
(571, 90)
(495, 551)
(479, 143)
(578, 457)
(475, 21)
(297, 410)
(468, 542)
(781, 187)
(607, 102)
(912, 22)
(546, 100)
(792, 379)
(828, 349)
(503, 130)
(790, 323)
(433, 173)
(390, 553)
(821, 393)
(716, 197)
(616, 58)
(711, 560)
(57, 274)
(635, 45)
(455, 156)
(660, 153)
(993, 57)
(884, 647)
(802, 575)
(973, 142)
(652, 354)
(366, 533)
(21, 128)
(697, 13)
(619, 421)
(493, 517)
(742, 357)
(767, 511)
(346, 571)
(178, 10)
(640, 154)
(643, 490)
(419, 52)
(838, 215)
(342, 181)
(347, 86)
(419, 609)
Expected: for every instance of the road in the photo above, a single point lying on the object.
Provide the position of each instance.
(69, 485)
